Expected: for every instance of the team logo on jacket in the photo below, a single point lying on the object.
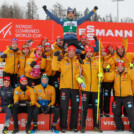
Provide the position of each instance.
(16, 92)
(63, 94)
(63, 97)
(129, 104)
(86, 63)
(84, 98)
(28, 93)
(22, 57)
(39, 98)
(40, 91)
(48, 92)
(10, 54)
(20, 92)
(117, 75)
(76, 64)
(67, 63)
(84, 95)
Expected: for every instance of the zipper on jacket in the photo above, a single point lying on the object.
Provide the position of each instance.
(90, 75)
(14, 63)
(72, 73)
(120, 84)
(25, 65)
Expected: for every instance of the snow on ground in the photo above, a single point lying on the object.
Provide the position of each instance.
(68, 132)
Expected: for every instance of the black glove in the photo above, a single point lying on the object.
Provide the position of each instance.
(4, 56)
(95, 38)
(28, 104)
(44, 56)
(46, 110)
(81, 61)
(56, 53)
(95, 8)
(59, 57)
(16, 104)
(42, 109)
(33, 64)
(104, 70)
(45, 8)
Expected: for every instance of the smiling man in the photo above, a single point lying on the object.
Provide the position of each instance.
(70, 24)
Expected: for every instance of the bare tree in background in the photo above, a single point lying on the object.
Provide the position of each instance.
(58, 10)
(87, 12)
(16, 12)
(31, 12)
(5, 11)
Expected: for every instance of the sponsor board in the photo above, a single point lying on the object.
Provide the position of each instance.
(24, 30)
(109, 124)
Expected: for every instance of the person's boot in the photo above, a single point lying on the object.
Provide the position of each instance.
(34, 129)
(106, 115)
(63, 130)
(75, 130)
(82, 130)
(54, 128)
(97, 129)
(16, 130)
(5, 129)
(28, 131)
(119, 130)
(101, 113)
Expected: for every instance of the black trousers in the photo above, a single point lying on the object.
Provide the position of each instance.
(74, 42)
(106, 92)
(85, 101)
(37, 111)
(22, 109)
(117, 111)
(33, 81)
(13, 77)
(65, 95)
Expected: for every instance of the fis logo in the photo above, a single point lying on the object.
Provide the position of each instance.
(6, 30)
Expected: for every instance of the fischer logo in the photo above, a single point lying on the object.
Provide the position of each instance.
(91, 31)
(6, 30)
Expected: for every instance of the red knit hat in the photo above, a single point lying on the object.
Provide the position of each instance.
(72, 48)
(47, 44)
(105, 50)
(59, 38)
(7, 78)
(22, 78)
(25, 46)
(83, 36)
(120, 63)
(39, 48)
(119, 46)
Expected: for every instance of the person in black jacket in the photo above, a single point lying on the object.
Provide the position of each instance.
(6, 95)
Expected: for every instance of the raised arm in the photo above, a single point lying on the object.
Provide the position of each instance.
(83, 19)
(52, 16)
